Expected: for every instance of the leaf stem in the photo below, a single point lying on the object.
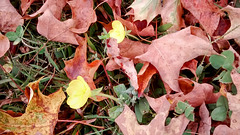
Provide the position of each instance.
(110, 97)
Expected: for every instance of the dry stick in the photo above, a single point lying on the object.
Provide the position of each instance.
(12, 79)
(49, 80)
(110, 83)
(81, 122)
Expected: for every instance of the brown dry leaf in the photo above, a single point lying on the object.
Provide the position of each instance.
(205, 123)
(144, 78)
(78, 66)
(10, 18)
(115, 5)
(41, 114)
(172, 13)
(54, 6)
(25, 4)
(83, 15)
(185, 45)
(225, 130)
(125, 63)
(4, 44)
(234, 16)
(129, 126)
(146, 9)
(201, 93)
(55, 30)
(192, 66)
(146, 31)
(205, 11)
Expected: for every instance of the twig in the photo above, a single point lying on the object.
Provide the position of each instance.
(81, 122)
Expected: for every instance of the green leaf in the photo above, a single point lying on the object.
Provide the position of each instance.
(168, 120)
(144, 106)
(217, 61)
(219, 113)
(95, 92)
(120, 90)
(199, 70)
(115, 111)
(17, 41)
(222, 101)
(220, 76)
(188, 111)
(12, 36)
(164, 27)
(187, 132)
(191, 116)
(19, 31)
(138, 113)
(180, 108)
(226, 77)
(138, 67)
(229, 60)
(91, 44)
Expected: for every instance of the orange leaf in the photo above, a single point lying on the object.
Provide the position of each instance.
(78, 66)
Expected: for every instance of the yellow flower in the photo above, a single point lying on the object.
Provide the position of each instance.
(79, 92)
(118, 31)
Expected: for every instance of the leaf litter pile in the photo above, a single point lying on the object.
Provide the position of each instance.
(132, 67)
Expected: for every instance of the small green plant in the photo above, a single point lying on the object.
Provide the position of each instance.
(17, 36)
(224, 60)
(184, 107)
(221, 110)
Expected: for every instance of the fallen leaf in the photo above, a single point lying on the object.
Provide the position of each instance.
(147, 31)
(25, 4)
(116, 6)
(55, 30)
(234, 16)
(192, 66)
(185, 45)
(225, 130)
(201, 93)
(128, 124)
(172, 13)
(205, 123)
(205, 11)
(144, 78)
(10, 18)
(78, 66)
(4, 44)
(55, 7)
(125, 63)
(146, 9)
(41, 114)
(83, 15)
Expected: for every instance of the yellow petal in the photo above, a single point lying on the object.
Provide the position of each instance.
(78, 91)
(76, 102)
(118, 31)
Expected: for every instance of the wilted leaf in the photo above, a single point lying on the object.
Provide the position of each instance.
(146, 9)
(116, 6)
(10, 18)
(234, 16)
(25, 4)
(78, 66)
(129, 126)
(172, 13)
(55, 7)
(4, 45)
(82, 14)
(41, 113)
(192, 66)
(55, 30)
(184, 45)
(205, 123)
(125, 63)
(205, 11)
(144, 78)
